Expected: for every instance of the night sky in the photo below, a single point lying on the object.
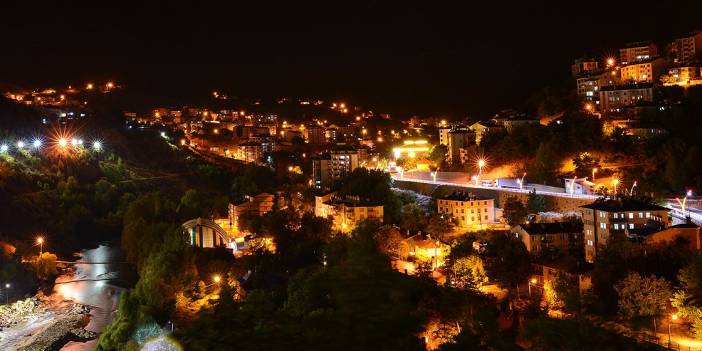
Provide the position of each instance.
(404, 57)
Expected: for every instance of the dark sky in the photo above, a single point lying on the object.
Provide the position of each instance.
(423, 57)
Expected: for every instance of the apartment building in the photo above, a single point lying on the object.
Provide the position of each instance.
(346, 212)
(467, 209)
(637, 52)
(333, 165)
(606, 219)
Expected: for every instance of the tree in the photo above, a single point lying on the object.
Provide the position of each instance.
(45, 265)
(688, 299)
(511, 264)
(642, 296)
(469, 272)
(545, 162)
(584, 164)
(514, 211)
(439, 226)
(438, 154)
(389, 239)
(536, 203)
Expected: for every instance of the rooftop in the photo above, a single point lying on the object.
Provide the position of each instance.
(626, 204)
(463, 196)
(553, 228)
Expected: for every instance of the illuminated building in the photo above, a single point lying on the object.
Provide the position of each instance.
(444, 135)
(605, 219)
(257, 205)
(249, 151)
(424, 250)
(346, 213)
(205, 233)
(684, 49)
(683, 76)
(549, 237)
(412, 149)
(613, 98)
(333, 165)
(646, 72)
(468, 209)
(315, 134)
(637, 52)
(458, 139)
(584, 66)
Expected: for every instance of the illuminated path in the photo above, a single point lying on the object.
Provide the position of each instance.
(463, 180)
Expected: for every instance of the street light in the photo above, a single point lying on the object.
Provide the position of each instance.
(97, 145)
(672, 318)
(4, 148)
(594, 170)
(532, 281)
(521, 181)
(36, 143)
(7, 293)
(433, 175)
(40, 242)
(615, 182)
(63, 142)
(20, 144)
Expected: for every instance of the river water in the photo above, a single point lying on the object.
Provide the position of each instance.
(98, 284)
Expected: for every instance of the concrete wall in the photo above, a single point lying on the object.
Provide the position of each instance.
(559, 204)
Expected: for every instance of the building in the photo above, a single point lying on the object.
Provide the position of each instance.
(588, 87)
(205, 233)
(683, 76)
(346, 212)
(481, 129)
(333, 165)
(315, 134)
(605, 219)
(580, 186)
(249, 151)
(584, 67)
(643, 71)
(549, 237)
(637, 52)
(412, 149)
(615, 97)
(257, 205)
(467, 209)
(419, 249)
(685, 49)
(458, 139)
(444, 135)
(687, 231)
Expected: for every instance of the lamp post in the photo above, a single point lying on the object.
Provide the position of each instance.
(615, 182)
(481, 165)
(433, 175)
(594, 170)
(672, 318)
(40, 242)
(7, 293)
(532, 281)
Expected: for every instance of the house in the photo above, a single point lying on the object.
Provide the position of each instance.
(257, 205)
(347, 212)
(549, 237)
(419, 249)
(467, 209)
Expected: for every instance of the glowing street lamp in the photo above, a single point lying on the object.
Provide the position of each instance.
(89, 86)
(481, 165)
(433, 175)
(631, 191)
(63, 142)
(97, 145)
(36, 143)
(531, 281)
(4, 148)
(611, 61)
(20, 144)
(7, 293)
(40, 242)
(521, 181)
(615, 182)
(673, 317)
(594, 170)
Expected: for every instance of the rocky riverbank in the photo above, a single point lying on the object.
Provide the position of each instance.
(39, 324)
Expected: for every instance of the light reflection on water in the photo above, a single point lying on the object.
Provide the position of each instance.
(102, 295)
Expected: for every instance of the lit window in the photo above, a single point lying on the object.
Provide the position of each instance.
(631, 225)
(631, 215)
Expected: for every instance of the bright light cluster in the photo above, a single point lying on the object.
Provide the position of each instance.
(38, 143)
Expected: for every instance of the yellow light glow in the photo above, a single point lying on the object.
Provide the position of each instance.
(40, 240)
(216, 278)
(89, 86)
(110, 85)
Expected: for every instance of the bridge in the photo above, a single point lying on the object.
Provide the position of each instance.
(463, 180)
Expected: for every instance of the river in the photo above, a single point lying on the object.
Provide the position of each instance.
(97, 284)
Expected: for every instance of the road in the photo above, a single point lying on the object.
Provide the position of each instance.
(463, 180)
